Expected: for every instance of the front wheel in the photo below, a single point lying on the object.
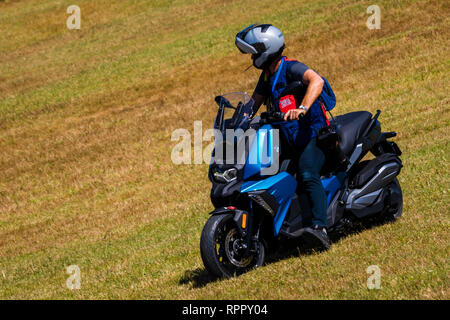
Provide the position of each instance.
(223, 249)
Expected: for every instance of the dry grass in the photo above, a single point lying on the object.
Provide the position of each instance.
(85, 123)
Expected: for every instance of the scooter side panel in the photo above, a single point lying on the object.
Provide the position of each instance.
(282, 187)
(331, 186)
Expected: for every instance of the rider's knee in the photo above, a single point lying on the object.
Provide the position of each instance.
(308, 176)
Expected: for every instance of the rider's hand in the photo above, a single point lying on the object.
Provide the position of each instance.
(294, 114)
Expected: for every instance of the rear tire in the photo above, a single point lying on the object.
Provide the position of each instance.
(218, 243)
(395, 205)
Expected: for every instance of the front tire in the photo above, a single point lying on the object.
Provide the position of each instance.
(220, 247)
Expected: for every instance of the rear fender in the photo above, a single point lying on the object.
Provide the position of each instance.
(385, 146)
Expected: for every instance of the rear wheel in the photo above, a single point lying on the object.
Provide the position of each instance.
(223, 249)
(395, 201)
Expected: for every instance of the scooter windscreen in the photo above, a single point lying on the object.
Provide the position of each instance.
(235, 110)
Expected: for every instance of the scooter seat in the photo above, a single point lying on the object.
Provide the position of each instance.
(350, 127)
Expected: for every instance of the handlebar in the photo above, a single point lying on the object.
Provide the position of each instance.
(274, 116)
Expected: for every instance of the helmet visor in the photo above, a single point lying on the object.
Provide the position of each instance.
(244, 47)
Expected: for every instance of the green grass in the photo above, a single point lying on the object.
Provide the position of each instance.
(86, 118)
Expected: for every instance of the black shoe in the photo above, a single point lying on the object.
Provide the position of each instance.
(317, 237)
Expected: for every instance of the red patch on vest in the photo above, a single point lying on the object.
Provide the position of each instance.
(287, 103)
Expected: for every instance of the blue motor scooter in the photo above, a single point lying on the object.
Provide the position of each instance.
(254, 187)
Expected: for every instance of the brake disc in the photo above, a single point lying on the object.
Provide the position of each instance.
(232, 246)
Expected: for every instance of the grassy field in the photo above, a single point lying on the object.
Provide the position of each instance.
(86, 118)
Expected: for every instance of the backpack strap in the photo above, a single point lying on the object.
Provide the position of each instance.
(325, 114)
(278, 74)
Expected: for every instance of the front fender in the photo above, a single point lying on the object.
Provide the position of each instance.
(241, 218)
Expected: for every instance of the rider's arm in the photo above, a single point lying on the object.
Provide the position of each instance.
(260, 93)
(259, 99)
(314, 83)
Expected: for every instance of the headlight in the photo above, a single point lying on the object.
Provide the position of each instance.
(226, 176)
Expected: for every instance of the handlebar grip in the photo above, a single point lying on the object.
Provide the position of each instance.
(272, 116)
(279, 115)
(282, 114)
(276, 116)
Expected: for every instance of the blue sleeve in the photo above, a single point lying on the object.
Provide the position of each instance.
(296, 71)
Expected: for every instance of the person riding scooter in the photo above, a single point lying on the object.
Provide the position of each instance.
(304, 115)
